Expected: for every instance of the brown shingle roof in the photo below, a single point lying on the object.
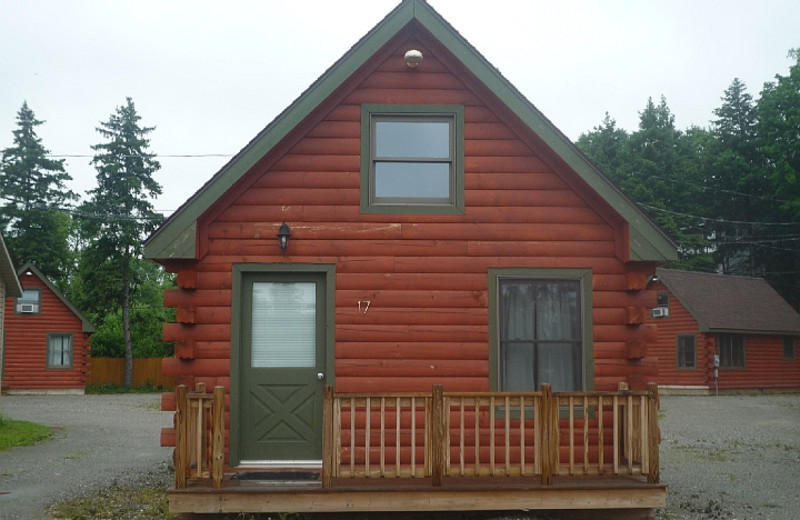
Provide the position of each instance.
(731, 303)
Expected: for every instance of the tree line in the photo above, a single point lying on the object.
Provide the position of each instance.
(91, 250)
(729, 195)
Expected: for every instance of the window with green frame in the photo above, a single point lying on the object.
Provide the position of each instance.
(686, 351)
(412, 158)
(731, 351)
(59, 350)
(541, 329)
(788, 348)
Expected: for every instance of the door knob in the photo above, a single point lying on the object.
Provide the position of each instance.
(320, 376)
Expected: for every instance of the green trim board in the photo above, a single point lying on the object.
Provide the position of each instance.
(583, 276)
(239, 273)
(175, 239)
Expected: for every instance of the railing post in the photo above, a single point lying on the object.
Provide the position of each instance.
(181, 440)
(218, 436)
(328, 448)
(438, 435)
(549, 439)
(654, 433)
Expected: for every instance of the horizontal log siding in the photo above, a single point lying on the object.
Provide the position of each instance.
(665, 349)
(426, 276)
(764, 366)
(26, 344)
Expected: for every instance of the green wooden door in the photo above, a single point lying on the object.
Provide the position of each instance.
(282, 367)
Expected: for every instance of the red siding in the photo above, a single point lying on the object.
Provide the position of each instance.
(425, 275)
(764, 366)
(26, 344)
(665, 349)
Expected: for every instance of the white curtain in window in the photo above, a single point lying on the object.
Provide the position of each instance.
(60, 350)
(540, 335)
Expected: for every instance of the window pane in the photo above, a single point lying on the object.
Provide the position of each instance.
(284, 328)
(29, 296)
(412, 139)
(59, 351)
(686, 352)
(411, 180)
(540, 335)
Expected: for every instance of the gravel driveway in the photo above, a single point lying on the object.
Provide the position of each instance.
(726, 457)
(731, 457)
(99, 440)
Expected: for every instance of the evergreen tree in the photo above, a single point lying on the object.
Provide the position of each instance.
(605, 146)
(33, 193)
(117, 218)
(778, 128)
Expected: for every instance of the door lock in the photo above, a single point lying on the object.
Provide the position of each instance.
(320, 376)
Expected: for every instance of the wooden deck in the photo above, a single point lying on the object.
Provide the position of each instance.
(439, 451)
(383, 495)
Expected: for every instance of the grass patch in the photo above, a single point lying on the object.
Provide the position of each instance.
(116, 503)
(21, 433)
(113, 388)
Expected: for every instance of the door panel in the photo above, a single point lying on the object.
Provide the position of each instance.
(282, 352)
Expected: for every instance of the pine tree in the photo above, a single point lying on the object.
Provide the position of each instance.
(34, 193)
(117, 218)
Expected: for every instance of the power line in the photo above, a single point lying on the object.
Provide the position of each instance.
(717, 220)
(171, 156)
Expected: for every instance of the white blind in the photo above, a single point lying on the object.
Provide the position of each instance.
(284, 325)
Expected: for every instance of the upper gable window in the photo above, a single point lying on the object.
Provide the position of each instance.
(30, 302)
(412, 159)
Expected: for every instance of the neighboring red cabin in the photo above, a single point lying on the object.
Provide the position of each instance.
(404, 223)
(47, 339)
(753, 331)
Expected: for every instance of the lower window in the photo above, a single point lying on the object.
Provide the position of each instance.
(687, 351)
(731, 351)
(59, 350)
(541, 331)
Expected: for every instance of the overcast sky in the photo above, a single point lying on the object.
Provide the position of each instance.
(210, 75)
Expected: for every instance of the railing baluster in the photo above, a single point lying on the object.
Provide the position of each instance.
(492, 442)
(521, 435)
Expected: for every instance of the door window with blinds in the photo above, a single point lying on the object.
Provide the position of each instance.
(284, 324)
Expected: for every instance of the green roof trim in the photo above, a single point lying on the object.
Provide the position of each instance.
(175, 239)
(86, 325)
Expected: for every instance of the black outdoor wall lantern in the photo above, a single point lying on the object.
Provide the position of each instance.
(283, 237)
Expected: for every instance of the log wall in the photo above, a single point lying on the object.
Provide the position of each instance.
(426, 276)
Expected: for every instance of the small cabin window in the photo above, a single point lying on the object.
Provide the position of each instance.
(30, 302)
(687, 351)
(731, 351)
(412, 159)
(59, 350)
(788, 348)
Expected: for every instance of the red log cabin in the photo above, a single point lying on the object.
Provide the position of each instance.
(47, 339)
(410, 223)
(9, 288)
(740, 324)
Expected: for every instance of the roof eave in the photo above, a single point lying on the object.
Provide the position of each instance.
(8, 274)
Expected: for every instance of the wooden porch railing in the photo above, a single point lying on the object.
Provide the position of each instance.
(453, 434)
(199, 435)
